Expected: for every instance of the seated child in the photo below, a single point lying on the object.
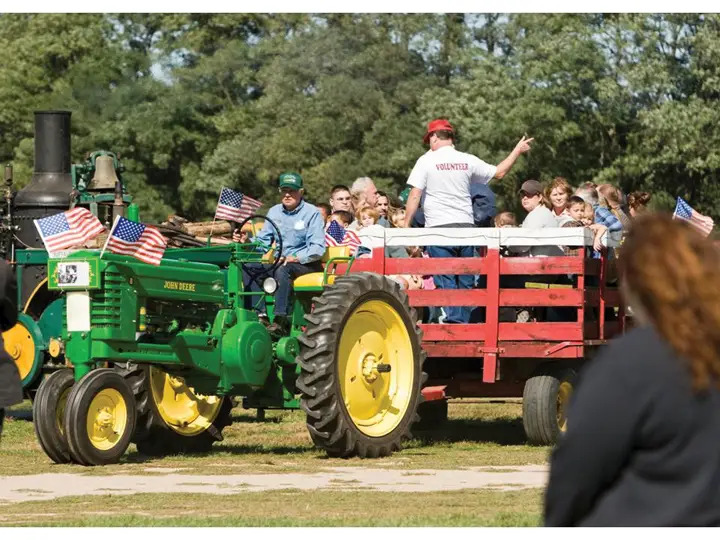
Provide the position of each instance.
(505, 219)
(588, 220)
(343, 217)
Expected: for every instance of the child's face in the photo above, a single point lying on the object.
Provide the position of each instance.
(399, 219)
(366, 220)
(577, 211)
(588, 217)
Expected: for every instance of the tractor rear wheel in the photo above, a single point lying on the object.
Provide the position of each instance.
(361, 367)
(545, 400)
(49, 411)
(176, 420)
(99, 418)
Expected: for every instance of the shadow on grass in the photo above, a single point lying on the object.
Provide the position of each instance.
(502, 431)
(19, 414)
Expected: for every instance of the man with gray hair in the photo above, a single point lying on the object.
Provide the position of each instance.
(604, 216)
(364, 193)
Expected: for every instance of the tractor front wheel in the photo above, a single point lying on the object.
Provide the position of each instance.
(99, 418)
(175, 419)
(48, 413)
(361, 367)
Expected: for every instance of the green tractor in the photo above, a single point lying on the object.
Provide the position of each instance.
(159, 352)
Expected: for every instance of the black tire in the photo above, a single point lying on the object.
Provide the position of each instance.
(159, 439)
(79, 405)
(136, 377)
(544, 405)
(48, 414)
(433, 414)
(329, 422)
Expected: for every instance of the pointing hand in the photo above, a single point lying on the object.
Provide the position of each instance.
(524, 145)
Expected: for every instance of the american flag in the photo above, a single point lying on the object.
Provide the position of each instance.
(235, 206)
(337, 235)
(67, 229)
(704, 224)
(141, 241)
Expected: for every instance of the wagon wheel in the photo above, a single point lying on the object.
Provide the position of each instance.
(48, 413)
(99, 418)
(545, 401)
(177, 420)
(361, 367)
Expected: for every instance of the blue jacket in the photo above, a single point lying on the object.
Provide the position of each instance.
(483, 204)
(302, 230)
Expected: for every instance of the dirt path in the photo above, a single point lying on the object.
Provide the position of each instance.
(50, 486)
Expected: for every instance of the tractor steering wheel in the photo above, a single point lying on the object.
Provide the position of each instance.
(256, 275)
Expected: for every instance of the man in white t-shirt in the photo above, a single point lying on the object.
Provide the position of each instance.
(445, 175)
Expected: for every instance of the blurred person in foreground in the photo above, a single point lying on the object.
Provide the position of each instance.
(643, 439)
(10, 384)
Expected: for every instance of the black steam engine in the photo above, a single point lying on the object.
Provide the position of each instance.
(56, 186)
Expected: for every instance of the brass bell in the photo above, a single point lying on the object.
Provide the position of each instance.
(105, 177)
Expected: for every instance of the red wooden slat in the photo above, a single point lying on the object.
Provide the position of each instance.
(541, 297)
(453, 332)
(448, 297)
(541, 265)
(508, 349)
(456, 266)
(555, 331)
(492, 315)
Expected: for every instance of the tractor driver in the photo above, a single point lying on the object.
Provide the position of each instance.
(303, 245)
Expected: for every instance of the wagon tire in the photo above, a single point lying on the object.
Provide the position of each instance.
(545, 400)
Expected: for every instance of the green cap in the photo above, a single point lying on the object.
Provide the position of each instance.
(404, 194)
(290, 180)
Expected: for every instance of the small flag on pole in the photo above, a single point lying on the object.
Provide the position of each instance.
(704, 224)
(337, 235)
(68, 229)
(141, 241)
(235, 206)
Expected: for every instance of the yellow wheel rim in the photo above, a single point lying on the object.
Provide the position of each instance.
(375, 335)
(20, 346)
(106, 419)
(179, 406)
(563, 398)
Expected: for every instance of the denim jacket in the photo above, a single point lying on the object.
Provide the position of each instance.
(302, 230)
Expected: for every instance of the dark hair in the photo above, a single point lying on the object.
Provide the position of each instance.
(339, 187)
(325, 207)
(574, 199)
(444, 135)
(383, 194)
(344, 215)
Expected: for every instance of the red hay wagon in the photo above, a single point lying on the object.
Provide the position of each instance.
(536, 360)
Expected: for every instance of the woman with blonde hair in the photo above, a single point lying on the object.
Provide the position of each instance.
(643, 440)
(556, 199)
(611, 198)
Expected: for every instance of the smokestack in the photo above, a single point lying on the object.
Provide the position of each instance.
(51, 181)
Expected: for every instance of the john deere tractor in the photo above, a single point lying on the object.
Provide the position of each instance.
(159, 352)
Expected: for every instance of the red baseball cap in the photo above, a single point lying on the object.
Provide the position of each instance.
(437, 125)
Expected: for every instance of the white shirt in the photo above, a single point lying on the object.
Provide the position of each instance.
(541, 217)
(445, 174)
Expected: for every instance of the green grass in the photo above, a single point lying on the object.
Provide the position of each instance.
(477, 434)
(289, 508)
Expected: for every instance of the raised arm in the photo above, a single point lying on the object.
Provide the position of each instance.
(506, 164)
(412, 205)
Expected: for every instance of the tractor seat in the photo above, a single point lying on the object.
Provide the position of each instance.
(315, 279)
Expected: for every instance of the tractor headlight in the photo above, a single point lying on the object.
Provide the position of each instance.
(269, 285)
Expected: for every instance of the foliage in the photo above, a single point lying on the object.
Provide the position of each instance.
(193, 102)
